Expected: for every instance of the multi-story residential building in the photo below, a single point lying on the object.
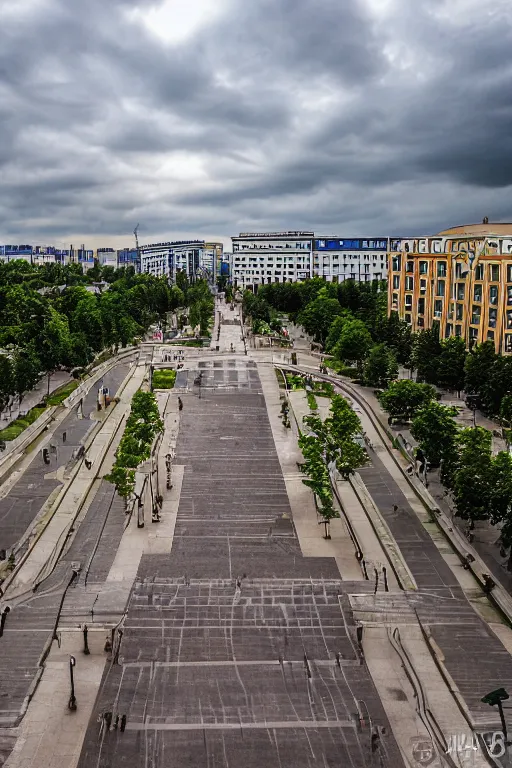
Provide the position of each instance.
(189, 256)
(211, 257)
(37, 255)
(362, 259)
(107, 257)
(271, 257)
(128, 257)
(461, 278)
(224, 265)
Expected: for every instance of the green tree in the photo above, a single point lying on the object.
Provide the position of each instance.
(354, 342)
(380, 367)
(501, 500)
(472, 479)
(451, 362)
(426, 353)
(404, 398)
(54, 342)
(26, 369)
(397, 334)
(316, 318)
(335, 329)
(497, 385)
(477, 368)
(436, 431)
(7, 387)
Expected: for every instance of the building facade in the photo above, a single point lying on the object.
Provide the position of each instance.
(362, 259)
(192, 257)
(276, 257)
(461, 279)
(272, 257)
(106, 257)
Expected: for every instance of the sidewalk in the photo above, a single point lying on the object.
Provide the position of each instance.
(485, 533)
(33, 398)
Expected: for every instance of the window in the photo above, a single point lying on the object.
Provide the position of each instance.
(509, 295)
(509, 318)
(438, 308)
(493, 294)
(473, 334)
(479, 272)
(509, 273)
(423, 285)
(441, 268)
(423, 267)
(409, 266)
(420, 322)
(494, 273)
(407, 318)
(461, 291)
(459, 311)
(490, 335)
(394, 300)
(477, 294)
(493, 317)
(408, 301)
(458, 330)
(409, 283)
(448, 331)
(421, 306)
(397, 263)
(476, 314)
(508, 342)
(458, 270)
(440, 288)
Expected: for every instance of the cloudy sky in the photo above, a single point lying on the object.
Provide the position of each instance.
(210, 117)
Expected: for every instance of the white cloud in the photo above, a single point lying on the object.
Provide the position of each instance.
(174, 21)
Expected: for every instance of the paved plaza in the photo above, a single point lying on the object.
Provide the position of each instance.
(236, 648)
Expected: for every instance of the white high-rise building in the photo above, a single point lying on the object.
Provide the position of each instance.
(361, 259)
(279, 257)
(271, 257)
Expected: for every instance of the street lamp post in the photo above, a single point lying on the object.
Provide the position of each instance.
(72, 698)
(495, 698)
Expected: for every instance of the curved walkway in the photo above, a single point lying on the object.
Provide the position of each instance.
(465, 647)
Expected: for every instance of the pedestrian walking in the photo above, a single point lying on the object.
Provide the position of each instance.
(123, 723)
(180, 404)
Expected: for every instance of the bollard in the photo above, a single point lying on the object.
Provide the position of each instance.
(86, 644)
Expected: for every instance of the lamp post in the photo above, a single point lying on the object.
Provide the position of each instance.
(72, 698)
(495, 698)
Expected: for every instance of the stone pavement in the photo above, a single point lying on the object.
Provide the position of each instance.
(28, 631)
(20, 506)
(51, 734)
(236, 648)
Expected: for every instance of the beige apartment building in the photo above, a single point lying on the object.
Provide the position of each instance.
(460, 278)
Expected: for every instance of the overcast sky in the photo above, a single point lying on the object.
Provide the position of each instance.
(209, 117)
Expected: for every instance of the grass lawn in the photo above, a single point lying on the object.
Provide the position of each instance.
(57, 397)
(16, 428)
(164, 378)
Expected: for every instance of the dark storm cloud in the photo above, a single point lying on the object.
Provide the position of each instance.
(340, 115)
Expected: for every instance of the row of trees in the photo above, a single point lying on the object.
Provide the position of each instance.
(330, 442)
(480, 483)
(66, 326)
(350, 319)
(143, 425)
